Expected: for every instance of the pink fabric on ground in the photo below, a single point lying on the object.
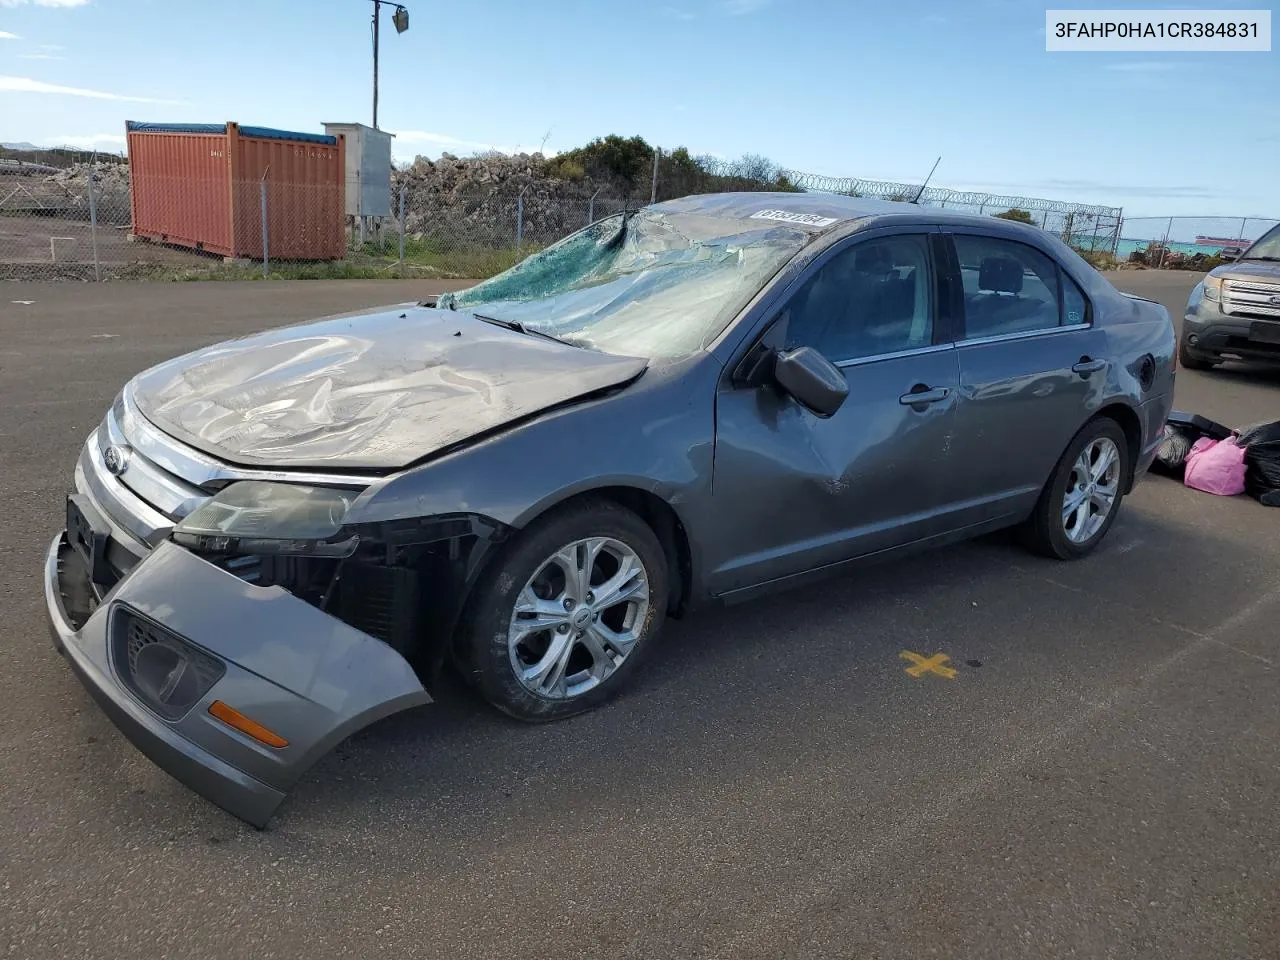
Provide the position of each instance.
(1215, 467)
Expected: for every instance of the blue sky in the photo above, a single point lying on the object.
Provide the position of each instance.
(873, 90)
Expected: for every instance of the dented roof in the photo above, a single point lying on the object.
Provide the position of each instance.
(831, 207)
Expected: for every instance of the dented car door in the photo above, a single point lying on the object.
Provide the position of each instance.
(794, 491)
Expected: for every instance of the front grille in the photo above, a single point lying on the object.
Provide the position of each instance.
(165, 672)
(1251, 298)
(1254, 286)
(145, 473)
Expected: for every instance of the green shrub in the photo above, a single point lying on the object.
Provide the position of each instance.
(1021, 216)
(569, 169)
(621, 161)
(1099, 259)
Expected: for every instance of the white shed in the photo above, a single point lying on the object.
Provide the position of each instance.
(368, 168)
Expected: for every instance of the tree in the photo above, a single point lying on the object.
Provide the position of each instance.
(752, 166)
(1021, 216)
(623, 161)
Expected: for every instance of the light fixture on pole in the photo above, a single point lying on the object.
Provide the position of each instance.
(400, 18)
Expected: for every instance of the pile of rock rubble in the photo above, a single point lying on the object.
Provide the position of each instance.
(479, 200)
(485, 200)
(111, 189)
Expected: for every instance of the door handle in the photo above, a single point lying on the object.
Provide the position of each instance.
(922, 394)
(1087, 366)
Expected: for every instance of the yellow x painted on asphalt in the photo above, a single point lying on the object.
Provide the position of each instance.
(923, 665)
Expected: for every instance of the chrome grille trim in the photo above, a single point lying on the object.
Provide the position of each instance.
(163, 479)
(164, 490)
(1250, 298)
(141, 522)
(1253, 286)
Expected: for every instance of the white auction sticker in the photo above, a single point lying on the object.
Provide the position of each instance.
(808, 219)
(1152, 31)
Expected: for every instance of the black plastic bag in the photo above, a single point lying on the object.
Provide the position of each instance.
(1171, 458)
(1181, 431)
(1261, 444)
(1202, 426)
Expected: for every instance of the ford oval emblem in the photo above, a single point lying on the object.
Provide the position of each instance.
(116, 460)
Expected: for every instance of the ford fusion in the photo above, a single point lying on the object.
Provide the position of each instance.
(277, 540)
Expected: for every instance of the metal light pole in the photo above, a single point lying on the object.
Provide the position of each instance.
(401, 20)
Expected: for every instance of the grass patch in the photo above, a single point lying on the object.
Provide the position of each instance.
(1099, 259)
(448, 260)
(422, 259)
(330, 270)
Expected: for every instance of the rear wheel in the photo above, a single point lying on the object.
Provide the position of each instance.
(1081, 499)
(566, 615)
(1191, 361)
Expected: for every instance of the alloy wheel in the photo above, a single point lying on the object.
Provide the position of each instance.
(578, 617)
(1092, 490)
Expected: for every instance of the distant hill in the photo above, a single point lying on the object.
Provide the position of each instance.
(19, 146)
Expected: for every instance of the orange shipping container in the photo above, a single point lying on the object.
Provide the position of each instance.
(200, 186)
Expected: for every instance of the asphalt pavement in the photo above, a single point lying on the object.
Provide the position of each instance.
(1100, 778)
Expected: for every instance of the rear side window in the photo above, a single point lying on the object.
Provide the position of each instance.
(1075, 308)
(1009, 287)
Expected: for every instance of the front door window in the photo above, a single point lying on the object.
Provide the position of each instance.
(871, 299)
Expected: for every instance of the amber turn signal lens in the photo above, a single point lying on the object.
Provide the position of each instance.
(234, 718)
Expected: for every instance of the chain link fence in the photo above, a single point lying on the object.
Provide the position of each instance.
(81, 222)
(1084, 226)
(1186, 243)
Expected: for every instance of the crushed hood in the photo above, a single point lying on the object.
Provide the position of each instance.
(375, 391)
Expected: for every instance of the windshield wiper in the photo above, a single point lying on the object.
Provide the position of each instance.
(1268, 259)
(519, 327)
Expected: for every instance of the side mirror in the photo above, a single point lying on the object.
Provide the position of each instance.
(814, 381)
(1231, 253)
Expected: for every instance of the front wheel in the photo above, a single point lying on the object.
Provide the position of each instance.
(567, 613)
(1081, 499)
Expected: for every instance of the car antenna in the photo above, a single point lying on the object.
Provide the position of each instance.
(926, 180)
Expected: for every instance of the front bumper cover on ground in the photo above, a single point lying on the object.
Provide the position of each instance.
(303, 674)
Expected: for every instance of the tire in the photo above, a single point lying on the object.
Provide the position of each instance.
(572, 665)
(1052, 530)
(1189, 361)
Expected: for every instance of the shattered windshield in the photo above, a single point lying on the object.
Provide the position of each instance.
(650, 284)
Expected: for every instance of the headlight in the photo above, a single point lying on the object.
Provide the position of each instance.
(1213, 288)
(256, 517)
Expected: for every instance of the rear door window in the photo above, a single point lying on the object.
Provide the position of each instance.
(1075, 308)
(1009, 287)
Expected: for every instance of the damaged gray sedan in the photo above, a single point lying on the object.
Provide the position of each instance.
(278, 540)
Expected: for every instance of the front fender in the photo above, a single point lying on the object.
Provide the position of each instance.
(656, 436)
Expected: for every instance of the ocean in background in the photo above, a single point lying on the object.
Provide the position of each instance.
(1126, 247)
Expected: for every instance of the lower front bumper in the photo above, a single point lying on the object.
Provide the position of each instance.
(301, 673)
(1209, 333)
